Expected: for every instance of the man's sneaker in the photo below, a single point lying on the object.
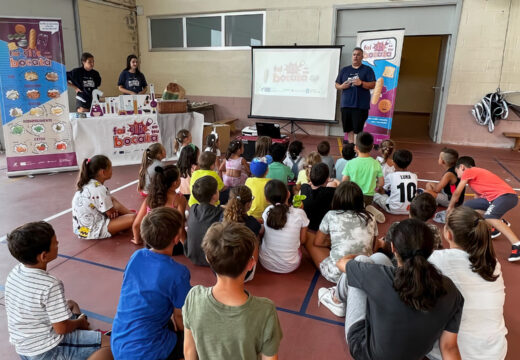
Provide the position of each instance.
(326, 297)
(515, 253)
(495, 233)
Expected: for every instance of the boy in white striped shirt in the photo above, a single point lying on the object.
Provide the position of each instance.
(41, 323)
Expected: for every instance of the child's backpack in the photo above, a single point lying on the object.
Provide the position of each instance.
(295, 167)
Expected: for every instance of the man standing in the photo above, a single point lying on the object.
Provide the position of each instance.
(355, 81)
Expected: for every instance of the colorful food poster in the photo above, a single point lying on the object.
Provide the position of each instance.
(34, 105)
(382, 52)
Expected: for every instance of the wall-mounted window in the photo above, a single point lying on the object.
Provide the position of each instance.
(206, 32)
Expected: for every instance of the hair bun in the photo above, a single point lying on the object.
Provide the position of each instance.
(159, 169)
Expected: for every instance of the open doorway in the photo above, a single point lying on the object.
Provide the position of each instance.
(421, 64)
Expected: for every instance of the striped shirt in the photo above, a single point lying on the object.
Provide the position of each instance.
(34, 300)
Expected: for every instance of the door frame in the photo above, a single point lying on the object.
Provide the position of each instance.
(438, 123)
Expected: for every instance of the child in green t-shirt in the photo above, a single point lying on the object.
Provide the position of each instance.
(216, 318)
(364, 170)
(277, 170)
(207, 164)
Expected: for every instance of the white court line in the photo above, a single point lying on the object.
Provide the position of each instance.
(52, 217)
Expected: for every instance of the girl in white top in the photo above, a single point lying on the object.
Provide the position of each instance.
(471, 264)
(95, 213)
(212, 145)
(285, 230)
(182, 139)
(152, 157)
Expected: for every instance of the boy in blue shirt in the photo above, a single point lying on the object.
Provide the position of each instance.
(148, 323)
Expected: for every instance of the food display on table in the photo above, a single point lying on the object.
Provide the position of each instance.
(33, 94)
(12, 95)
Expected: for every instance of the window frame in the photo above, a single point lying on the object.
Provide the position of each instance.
(185, 35)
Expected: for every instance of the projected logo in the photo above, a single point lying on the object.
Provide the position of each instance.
(379, 49)
(293, 78)
(291, 72)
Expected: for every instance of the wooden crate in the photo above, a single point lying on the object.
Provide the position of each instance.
(172, 106)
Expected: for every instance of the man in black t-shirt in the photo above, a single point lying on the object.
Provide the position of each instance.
(84, 80)
(355, 81)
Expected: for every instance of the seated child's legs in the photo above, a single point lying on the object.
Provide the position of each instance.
(120, 223)
(368, 199)
(442, 199)
(380, 200)
(329, 270)
(77, 345)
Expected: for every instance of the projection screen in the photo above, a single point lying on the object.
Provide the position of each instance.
(294, 82)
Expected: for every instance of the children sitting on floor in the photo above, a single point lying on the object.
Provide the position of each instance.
(152, 157)
(443, 190)
(148, 322)
(42, 324)
(202, 214)
(495, 198)
(207, 163)
(324, 150)
(285, 230)
(95, 213)
(188, 163)
(347, 153)
(259, 168)
(364, 170)
(294, 159)
(277, 170)
(471, 264)
(225, 321)
(163, 192)
(348, 228)
(235, 168)
(402, 185)
(423, 208)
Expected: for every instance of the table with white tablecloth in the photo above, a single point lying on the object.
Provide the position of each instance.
(124, 138)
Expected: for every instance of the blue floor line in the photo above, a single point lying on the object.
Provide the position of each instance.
(92, 262)
(309, 316)
(308, 296)
(93, 315)
(506, 169)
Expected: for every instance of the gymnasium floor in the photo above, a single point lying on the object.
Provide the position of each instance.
(92, 270)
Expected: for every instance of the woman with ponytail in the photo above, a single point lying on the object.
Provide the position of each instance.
(95, 213)
(162, 192)
(411, 306)
(471, 264)
(285, 230)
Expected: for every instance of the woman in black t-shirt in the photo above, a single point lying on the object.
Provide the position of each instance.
(84, 80)
(399, 313)
(131, 80)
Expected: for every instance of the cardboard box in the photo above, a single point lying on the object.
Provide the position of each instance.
(223, 132)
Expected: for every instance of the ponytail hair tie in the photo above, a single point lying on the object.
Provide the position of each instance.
(420, 252)
(477, 220)
(277, 204)
(148, 150)
(88, 161)
(238, 197)
(159, 169)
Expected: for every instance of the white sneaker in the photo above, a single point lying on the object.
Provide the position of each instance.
(378, 215)
(326, 297)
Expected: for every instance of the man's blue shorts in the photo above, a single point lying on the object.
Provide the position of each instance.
(496, 208)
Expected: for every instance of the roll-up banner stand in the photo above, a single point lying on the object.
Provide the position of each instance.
(33, 103)
(382, 52)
